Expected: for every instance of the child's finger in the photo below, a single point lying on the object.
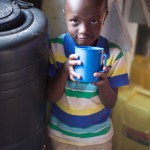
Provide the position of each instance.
(74, 75)
(106, 69)
(73, 56)
(102, 80)
(75, 62)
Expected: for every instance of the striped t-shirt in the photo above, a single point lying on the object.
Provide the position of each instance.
(79, 117)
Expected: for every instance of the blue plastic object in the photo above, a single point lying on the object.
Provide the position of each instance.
(93, 59)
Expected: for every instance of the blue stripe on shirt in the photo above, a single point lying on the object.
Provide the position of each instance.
(80, 121)
(119, 80)
(90, 129)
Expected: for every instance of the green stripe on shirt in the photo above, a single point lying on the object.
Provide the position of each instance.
(82, 135)
(80, 94)
(113, 45)
(120, 55)
(57, 40)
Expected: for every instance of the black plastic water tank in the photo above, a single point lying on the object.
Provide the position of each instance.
(23, 76)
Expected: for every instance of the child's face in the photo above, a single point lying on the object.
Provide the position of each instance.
(84, 20)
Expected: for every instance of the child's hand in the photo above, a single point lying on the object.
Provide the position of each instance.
(69, 66)
(102, 75)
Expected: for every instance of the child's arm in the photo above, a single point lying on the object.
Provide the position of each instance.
(108, 95)
(56, 84)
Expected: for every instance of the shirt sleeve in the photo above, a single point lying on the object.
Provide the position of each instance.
(52, 64)
(56, 55)
(117, 75)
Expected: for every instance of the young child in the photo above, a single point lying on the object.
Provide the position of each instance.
(80, 115)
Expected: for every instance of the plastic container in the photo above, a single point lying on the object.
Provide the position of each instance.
(140, 71)
(93, 59)
(131, 119)
(23, 76)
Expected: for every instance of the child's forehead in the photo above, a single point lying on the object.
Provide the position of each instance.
(84, 4)
(89, 1)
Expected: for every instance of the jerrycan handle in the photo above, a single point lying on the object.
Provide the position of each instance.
(103, 61)
(142, 91)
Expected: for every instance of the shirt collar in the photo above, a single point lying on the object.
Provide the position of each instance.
(69, 44)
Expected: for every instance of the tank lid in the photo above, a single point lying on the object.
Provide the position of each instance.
(10, 15)
(5, 10)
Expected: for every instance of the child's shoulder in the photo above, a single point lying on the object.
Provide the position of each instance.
(113, 45)
(115, 50)
(59, 39)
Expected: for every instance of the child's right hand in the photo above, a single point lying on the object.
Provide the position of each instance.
(69, 66)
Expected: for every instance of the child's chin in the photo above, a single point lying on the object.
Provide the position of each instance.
(82, 43)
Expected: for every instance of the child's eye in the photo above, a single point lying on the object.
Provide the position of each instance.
(94, 21)
(75, 21)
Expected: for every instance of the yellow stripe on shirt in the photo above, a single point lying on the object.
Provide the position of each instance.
(80, 111)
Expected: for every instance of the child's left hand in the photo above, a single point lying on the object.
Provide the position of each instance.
(102, 75)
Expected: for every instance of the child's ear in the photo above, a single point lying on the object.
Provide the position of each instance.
(64, 12)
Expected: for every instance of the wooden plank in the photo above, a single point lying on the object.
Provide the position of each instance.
(115, 28)
(146, 8)
(137, 13)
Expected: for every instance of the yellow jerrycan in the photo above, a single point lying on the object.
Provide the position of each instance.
(140, 71)
(131, 119)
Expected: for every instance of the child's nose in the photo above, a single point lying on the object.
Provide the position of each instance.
(83, 28)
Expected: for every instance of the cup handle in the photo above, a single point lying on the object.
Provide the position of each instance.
(104, 58)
